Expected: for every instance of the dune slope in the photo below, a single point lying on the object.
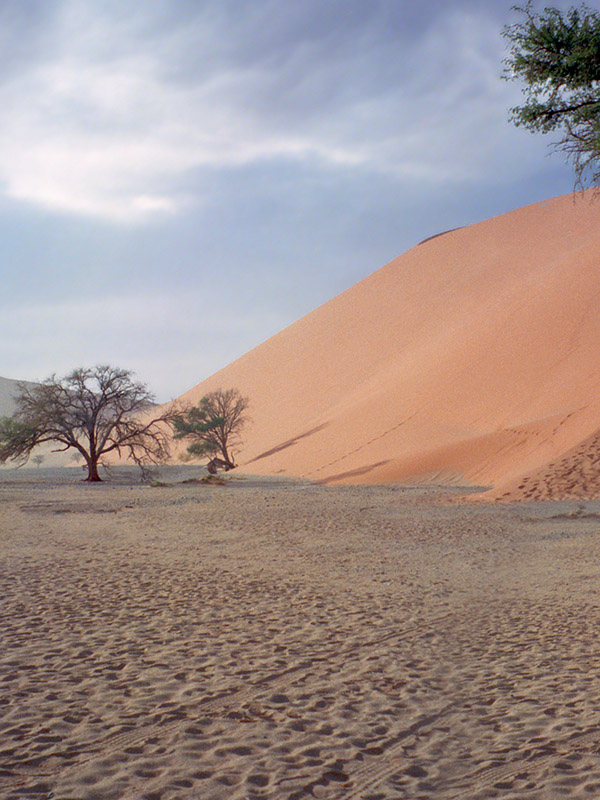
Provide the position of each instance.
(8, 390)
(471, 358)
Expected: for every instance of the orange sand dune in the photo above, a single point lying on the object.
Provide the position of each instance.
(474, 357)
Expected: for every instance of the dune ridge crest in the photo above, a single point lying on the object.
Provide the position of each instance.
(472, 358)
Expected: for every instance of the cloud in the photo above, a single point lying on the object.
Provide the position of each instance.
(121, 110)
(166, 337)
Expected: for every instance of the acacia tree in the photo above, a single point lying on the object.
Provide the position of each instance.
(214, 425)
(557, 56)
(94, 411)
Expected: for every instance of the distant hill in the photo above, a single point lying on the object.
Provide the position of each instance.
(8, 389)
(472, 358)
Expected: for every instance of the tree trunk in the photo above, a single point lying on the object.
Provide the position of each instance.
(225, 455)
(92, 466)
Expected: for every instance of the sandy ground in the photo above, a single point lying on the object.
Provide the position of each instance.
(275, 639)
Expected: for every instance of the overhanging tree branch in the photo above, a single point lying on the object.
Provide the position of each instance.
(556, 55)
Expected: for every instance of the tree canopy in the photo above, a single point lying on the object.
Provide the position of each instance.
(557, 57)
(94, 411)
(214, 425)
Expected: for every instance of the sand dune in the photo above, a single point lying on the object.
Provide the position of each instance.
(472, 357)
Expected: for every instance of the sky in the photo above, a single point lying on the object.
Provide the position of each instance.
(181, 179)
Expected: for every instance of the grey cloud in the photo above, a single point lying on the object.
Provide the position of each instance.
(125, 101)
(281, 150)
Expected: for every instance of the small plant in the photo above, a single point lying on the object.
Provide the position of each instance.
(213, 480)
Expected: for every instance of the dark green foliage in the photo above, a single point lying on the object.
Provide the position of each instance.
(214, 425)
(197, 424)
(557, 57)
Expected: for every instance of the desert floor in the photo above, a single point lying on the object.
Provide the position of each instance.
(276, 639)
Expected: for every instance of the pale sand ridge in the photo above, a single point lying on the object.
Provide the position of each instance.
(473, 358)
(8, 390)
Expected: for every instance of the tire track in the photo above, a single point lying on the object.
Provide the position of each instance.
(228, 702)
(374, 773)
(491, 775)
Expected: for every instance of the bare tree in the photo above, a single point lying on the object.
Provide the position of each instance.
(95, 411)
(214, 426)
